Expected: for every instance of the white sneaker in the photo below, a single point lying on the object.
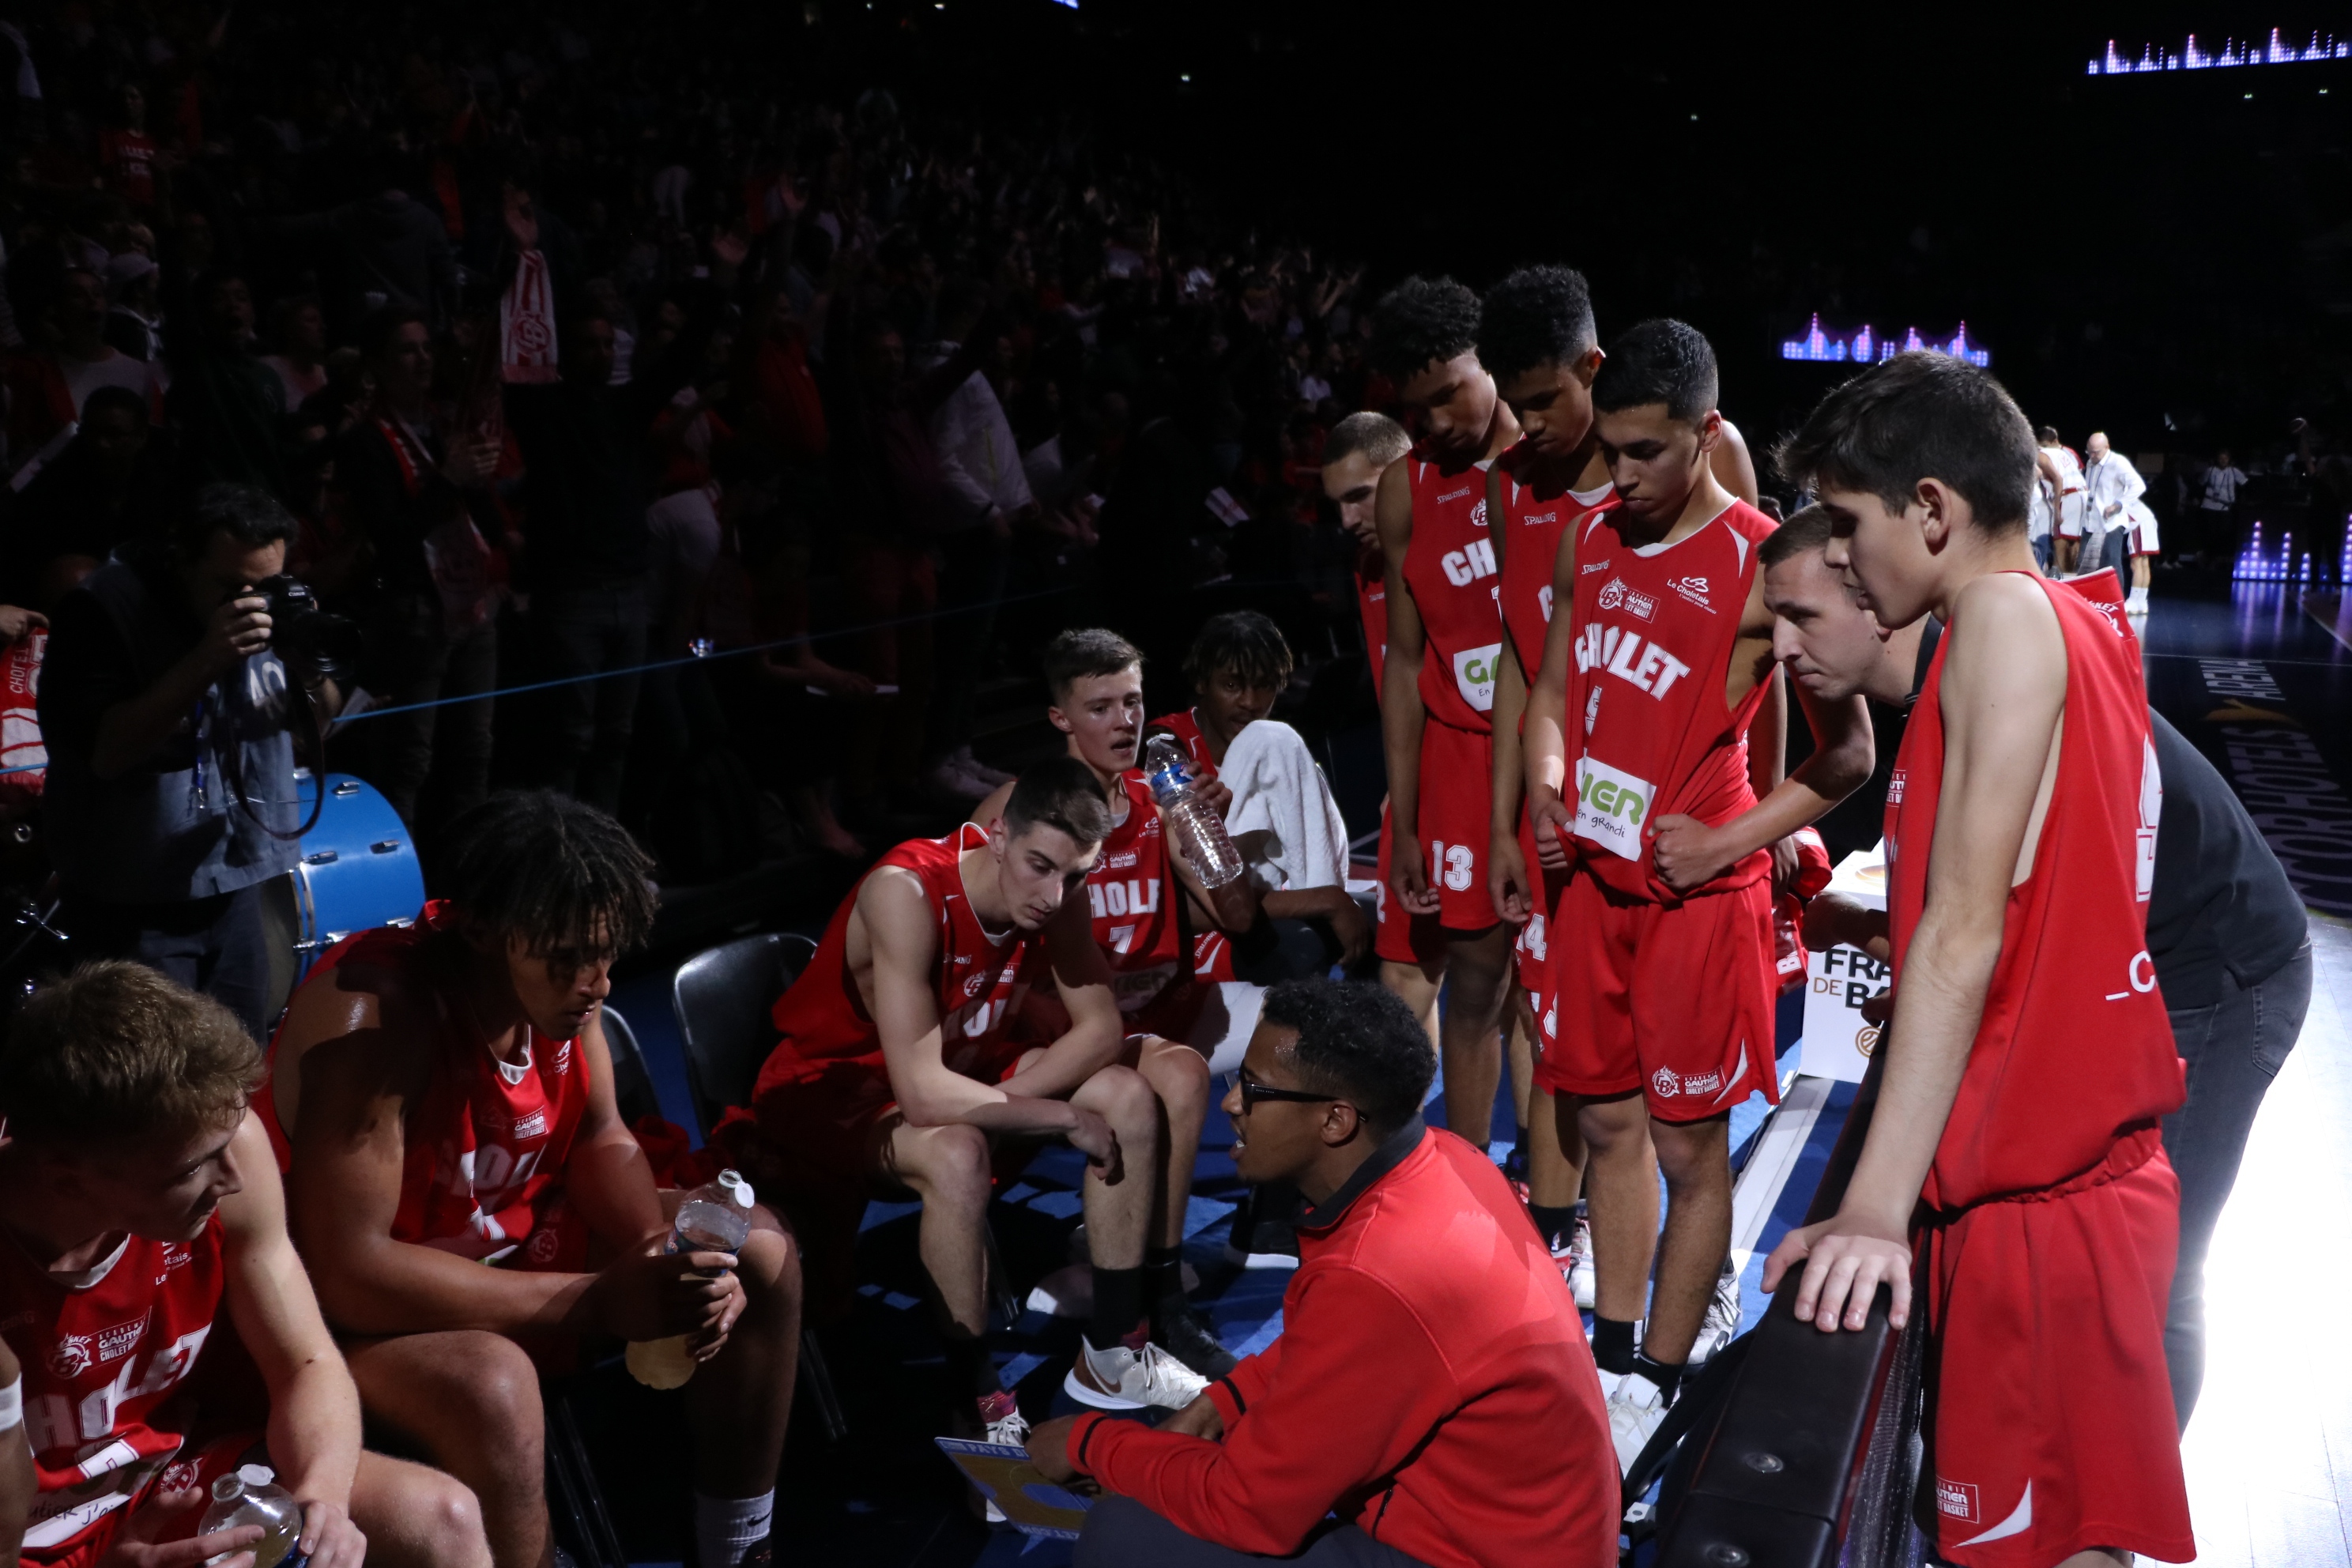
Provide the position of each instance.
(1576, 1263)
(1722, 1320)
(1635, 1409)
(1005, 1424)
(1130, 1377)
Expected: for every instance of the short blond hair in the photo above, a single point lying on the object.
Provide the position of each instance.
(117, 1051)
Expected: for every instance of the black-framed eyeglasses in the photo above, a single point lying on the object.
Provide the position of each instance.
(1253, 1092)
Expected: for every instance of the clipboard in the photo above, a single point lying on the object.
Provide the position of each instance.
(1006, 1477)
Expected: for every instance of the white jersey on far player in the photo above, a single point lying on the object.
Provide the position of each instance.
(2070, 490)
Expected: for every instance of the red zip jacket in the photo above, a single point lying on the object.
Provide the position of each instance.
(1431, 1384)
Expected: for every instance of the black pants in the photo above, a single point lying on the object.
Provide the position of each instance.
(215, 946)
(2233, 1049)
(583, 632)
(1122, 1533)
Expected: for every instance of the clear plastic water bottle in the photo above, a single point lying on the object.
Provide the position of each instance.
(1200, 836)
(252, 1496)
(714, 1217)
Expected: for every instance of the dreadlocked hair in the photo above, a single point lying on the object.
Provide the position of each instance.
(559, 874)
(1244, 642)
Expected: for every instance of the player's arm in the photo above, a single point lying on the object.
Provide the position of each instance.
(1690, 852)
(1097, 1033)
(1734, 469)
(1402, 716)
(903, 933)
(1232, 909)
(1506, 874)
(18, 1485)
(2003, 698)
(314, 1409)
(1543, 734)
(608, 1178)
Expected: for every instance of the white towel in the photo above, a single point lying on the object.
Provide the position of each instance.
(1283, 818)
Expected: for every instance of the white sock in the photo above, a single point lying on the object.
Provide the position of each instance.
(727, 1528)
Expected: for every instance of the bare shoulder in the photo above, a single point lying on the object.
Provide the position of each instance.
(1393, 510)
(892, 903)
(257, 1210)
(2005, 638)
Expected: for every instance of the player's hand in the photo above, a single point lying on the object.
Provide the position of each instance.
(1049, 1449)
(1352, 927)
(1217, 795)
(662, 1294)
(1507, 879)
(1846, 1259)
(1409, 876)
(1090, 1135)
(1555, 822)
(1687, 853)
(16, 621)
(1880, 1007)
(1786, 864)
(329, 1537)
(134, 1545)
(1834, 919)
(234, 632)
(1198, 1419)
(470, 464)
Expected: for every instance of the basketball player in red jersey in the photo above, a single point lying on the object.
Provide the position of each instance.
(2016, 1140)
(1133, 893)
(140, 1200)
(444, 1097)
(1658, 697)
(1446, 638)
(909, 1063)
(1359, 449)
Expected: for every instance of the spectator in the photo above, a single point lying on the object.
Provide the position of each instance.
(2217, 503)
(109, 486)
(300, 330)
(386, 248)
(169, 718)
(230, 406)
(418, 492)
(1431, 1388)
(134, 323)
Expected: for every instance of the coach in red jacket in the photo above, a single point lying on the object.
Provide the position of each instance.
(1431, 1388)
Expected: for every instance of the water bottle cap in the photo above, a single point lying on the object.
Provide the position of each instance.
(229, 1489)
(736, 1187)
(257, 1475)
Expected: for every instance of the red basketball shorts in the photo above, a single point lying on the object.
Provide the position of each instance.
(1400, 937)
(1674, 1000)
(2050, 1414)
(1457, 806)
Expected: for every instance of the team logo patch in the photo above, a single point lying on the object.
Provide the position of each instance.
(542, 1247)
(1612, 593)
(1540, 517)
(1592, 566)
(71, 1356)
(1665, 1081)
(1473, 676)
(1956, 1499)
(531, 1126)
(562, 1058)
(1611, 807)
(1455, 495)
(1695, 589)
(1640, 607)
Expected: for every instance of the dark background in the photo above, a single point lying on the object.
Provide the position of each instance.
(2161, 255)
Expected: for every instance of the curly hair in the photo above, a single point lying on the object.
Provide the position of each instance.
(1420, 322)
(1359, 1040)
(1244, 642)
(556, 872)
(1539, 315)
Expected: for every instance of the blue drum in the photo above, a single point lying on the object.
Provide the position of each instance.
(359, 869)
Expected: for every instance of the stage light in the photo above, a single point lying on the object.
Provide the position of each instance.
(2277, 52)
(1865, 347)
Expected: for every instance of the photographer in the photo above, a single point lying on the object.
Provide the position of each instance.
(169, 723)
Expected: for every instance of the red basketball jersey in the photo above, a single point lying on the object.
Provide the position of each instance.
(1533, 520)
(1132, 894)
(979, 979)
(1449, 568)
(486, 1146)
(1186, 729)
(2076, 1049)
(1647, 725)
(103, 1357)
(1372, 604)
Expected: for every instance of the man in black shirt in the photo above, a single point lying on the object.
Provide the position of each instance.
(171, 796)
(2226, 930)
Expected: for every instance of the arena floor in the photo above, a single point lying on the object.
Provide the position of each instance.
(2269, 1454)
